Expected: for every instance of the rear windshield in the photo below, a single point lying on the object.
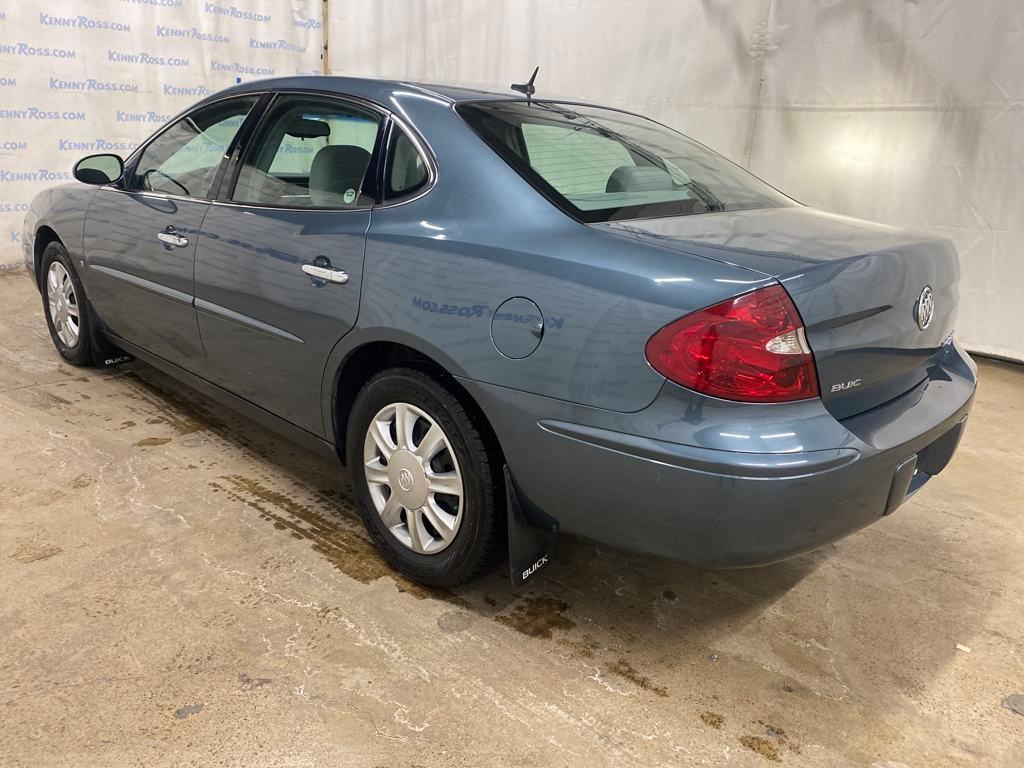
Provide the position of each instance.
(603, 165)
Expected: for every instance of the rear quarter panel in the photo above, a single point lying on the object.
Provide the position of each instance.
(438, 267)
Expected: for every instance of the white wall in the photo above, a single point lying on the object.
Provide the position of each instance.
(89, 76)
(906, 113)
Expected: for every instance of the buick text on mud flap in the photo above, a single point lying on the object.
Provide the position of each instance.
(535, 567)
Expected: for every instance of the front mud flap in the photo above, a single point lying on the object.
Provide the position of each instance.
(105, 354)
(531, 535)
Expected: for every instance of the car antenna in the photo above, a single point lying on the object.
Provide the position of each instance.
(528, 87)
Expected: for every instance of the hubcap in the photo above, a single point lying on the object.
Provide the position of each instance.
(414, 478)
(63, 303)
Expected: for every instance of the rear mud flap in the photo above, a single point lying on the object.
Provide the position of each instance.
(531, 535)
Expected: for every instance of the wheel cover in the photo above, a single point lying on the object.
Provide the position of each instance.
(414, 478)
(63, 304)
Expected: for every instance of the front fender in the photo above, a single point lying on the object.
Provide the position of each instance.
(62, 210)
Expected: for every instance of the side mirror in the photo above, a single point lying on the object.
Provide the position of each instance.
(99, 169)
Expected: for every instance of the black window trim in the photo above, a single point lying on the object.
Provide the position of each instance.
(130, 164)
(395, 130)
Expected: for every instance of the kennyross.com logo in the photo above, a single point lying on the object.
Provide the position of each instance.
(120, 57)
(82, 22)
(190, 33)
(156, 3)
(24, 49)
(186, 90)
(240, 69)
(141, 117)
(23, 177)
(276, 45)
(91, 85)
(34, 113)
(95, 145)
(232, 12)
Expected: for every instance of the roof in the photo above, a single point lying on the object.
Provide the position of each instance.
(371, 88)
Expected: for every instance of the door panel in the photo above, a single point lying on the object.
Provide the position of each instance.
(267, 326)
(279, 268)
(140, 286)
(140, 241)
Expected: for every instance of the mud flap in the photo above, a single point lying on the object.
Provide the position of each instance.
(105, 354)
(531, 535)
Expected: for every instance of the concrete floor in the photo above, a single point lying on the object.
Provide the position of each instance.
(179, 586)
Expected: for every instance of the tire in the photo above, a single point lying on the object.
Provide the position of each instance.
(452, 538)
(63, 297)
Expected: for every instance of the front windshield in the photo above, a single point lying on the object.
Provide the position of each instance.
(603, 165)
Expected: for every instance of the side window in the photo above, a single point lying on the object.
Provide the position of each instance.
(407, 170)
(573, 161)
(183, 160)
(310, 152)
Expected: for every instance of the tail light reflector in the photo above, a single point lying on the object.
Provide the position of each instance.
(750, 348)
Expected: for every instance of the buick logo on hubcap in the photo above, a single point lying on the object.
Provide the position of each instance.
(405, 480)
(925, 308)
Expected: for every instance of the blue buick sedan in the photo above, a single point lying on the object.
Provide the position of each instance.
(510, 316)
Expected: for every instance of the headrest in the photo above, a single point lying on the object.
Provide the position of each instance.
(638, 178)
(336, 175)
(304, 128)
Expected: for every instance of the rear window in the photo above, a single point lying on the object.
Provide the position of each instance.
(603, 165)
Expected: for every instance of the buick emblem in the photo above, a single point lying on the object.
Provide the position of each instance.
(925, 308)
(405, 480)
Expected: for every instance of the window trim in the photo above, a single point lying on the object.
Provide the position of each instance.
(133, 159)
(228, 185)
(395, 129)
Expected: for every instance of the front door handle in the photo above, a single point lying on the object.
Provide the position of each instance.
(171, 237)
(327, 274)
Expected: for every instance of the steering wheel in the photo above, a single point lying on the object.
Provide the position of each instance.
(175, 182)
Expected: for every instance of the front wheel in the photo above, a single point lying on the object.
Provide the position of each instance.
(67, 311)
(424, 477)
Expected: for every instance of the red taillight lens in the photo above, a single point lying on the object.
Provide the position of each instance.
(750, 348)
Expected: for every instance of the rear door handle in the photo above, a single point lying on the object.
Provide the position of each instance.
(327, 274)
(171, 237)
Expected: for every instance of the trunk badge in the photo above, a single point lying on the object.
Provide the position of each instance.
(925, 309)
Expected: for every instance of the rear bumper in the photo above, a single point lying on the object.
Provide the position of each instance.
(727, 508)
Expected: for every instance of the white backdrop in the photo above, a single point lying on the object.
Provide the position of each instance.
(909, 113)
(89, 76)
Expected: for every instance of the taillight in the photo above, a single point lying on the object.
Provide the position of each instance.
(750, 348)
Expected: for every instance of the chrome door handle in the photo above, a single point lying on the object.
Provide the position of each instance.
(171, 237)
(327, 274)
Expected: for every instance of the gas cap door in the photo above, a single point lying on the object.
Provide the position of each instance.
(517, 328)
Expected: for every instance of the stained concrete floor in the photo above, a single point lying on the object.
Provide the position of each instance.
(179, 586)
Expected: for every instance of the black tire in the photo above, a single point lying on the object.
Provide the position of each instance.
(478, 542)
(80, 352)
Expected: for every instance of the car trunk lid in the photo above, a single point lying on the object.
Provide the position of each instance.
(862, 290)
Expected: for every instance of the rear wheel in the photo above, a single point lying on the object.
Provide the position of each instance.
(424, 478)
(64, 304)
